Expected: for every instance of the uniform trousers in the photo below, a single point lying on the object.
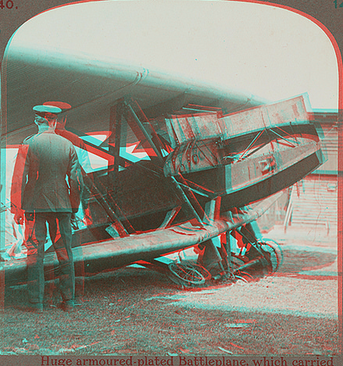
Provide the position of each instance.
(61, 237)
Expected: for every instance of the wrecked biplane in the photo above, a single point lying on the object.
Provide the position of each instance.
(183, 163)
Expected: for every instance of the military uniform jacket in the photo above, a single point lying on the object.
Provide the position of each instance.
(47, 175)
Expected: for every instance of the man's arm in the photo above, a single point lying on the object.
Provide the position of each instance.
(75, 181)
(18, 183)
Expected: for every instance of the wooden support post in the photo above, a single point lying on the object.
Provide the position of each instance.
(227, 247)
(116, 113)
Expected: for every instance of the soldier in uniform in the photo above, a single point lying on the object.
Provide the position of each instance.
(46, 188)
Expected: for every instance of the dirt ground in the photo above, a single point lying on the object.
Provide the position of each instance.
(137, 311)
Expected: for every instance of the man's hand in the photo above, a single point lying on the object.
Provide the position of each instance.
(74, 221)
(19, 217)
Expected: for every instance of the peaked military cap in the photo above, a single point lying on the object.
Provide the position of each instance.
(62, 105)
(47, 110)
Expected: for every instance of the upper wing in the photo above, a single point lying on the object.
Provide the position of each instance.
(52, 57)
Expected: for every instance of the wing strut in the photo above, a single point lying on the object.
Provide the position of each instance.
(116, 113)
(102, 201)
(186, 200)
(145, 132)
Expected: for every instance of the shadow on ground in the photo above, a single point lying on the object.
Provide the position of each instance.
(127, 313)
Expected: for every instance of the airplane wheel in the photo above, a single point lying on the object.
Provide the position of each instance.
(254, 272)
(238, 261)
(188, 275)
(272, 252)
(244, 277)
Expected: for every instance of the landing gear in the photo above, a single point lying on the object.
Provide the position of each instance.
(188, 274)
(260, 259)
(219, 265)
